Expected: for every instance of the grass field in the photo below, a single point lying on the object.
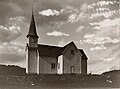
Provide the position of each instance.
(50, 88)
(108, 80)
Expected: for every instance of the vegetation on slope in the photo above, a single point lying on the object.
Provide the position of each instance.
(20, 78)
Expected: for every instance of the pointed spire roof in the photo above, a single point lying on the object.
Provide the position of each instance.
(32, 28)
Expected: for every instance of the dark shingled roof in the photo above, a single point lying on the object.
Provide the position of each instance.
(83, 54)
(47, 50)
(67, 45)
(32, 29)
(54, 51)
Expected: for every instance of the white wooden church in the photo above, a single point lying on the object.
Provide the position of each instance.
(53, 59)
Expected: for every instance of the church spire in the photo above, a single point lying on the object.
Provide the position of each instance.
(32, 28)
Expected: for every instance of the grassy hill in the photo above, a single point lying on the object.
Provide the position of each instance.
(19, 78)
(11, 70)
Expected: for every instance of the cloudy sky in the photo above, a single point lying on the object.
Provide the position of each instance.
(92, 24)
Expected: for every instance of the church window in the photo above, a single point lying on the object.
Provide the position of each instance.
(72, 52)
(53, 66)
(33, 40)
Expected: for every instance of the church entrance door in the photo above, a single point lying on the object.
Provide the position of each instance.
(71, 69)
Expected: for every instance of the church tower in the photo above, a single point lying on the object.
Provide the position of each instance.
(32, 48)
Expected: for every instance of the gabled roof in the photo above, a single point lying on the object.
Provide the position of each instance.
(32, 28)
(47, 50)
(54, 51)
(67, 47)
(83, 54)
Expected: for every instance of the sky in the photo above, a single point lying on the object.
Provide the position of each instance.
(93, 25)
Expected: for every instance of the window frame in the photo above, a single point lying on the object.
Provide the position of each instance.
(53, 66)
(72, 52)
(33, 40)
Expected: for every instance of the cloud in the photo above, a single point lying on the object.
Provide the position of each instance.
(51, 17)
(84, 7)
(97, 27)
(104, 9)
(98, 48)
(12, 30)
(107, 27)
(93, 39)
(112, 55)
(94, 61)
(11, 52)
(101, 9)
(89, 36)
(75, 14)
(49, 12)
(102, 3)
(68, 13)
(75, 17)
(79, 42)
(10, 33)
(107, 32)
(79, 28)
(62, 43)
(109, 59)
(22, 8)
(108, 22)
(109, 56)
(94, 23)
(57, 33)
(111, 31)
(71, 12)
(106, 14)
(72, 18)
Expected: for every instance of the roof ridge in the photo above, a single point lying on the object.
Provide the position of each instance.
(50, 45)
(68, 44)
(83, 53)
